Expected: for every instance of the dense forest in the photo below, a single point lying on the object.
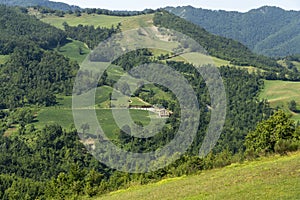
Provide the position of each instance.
(34, 73)
(270, 31)
(21, 30)
(32, 76)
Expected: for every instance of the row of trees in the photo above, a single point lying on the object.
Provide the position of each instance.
(98, 11)
(89, 34)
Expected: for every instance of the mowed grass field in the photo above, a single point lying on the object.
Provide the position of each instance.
(269, 178)
(128, 23)
(64, 117)
(201, 59)
(279, 93)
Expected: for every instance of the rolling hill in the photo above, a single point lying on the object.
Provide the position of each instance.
(270, 31)
(269, 178)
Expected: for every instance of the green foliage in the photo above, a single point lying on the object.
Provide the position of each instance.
(267, 30)
(242, 89)
(22, 116)
(283, 146)
(133, 58)
(52, 163)
(271, 132)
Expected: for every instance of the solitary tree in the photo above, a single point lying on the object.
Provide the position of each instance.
(293, 106)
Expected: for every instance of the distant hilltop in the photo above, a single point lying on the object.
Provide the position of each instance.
(43, 3)
(268, 30)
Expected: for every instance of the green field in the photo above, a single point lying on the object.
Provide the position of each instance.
(128, 23)
(135, 101)
(71, 50)
(64, 117)
(279, 93)
(201, 59)
(62, 112)
(269, 178)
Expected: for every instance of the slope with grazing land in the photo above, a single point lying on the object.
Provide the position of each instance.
(213, 44)
(268, 178)
(128, 23)
(75, 50)
(280, 93)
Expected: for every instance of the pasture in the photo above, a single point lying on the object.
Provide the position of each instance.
(75, 50)
(280, 93)
(62, 112)
(128, 23)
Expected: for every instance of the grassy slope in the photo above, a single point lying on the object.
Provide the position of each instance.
(71, 50)
(100, 20)
(270, 178)
(128, 23)
(279, 93)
